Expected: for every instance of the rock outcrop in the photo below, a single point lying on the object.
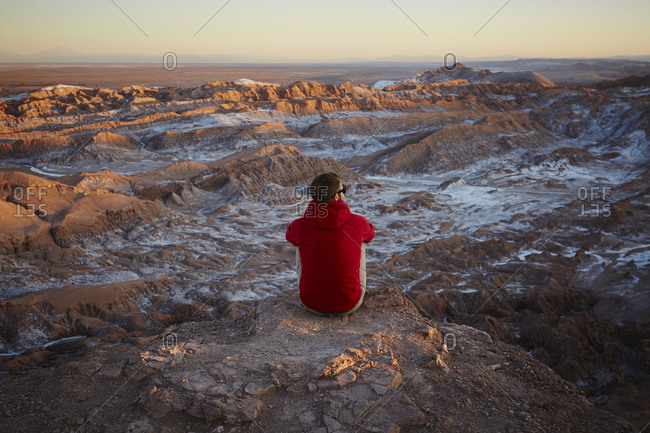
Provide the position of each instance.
(274, 367)
(473, 75)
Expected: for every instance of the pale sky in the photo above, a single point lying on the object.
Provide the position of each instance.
(309, 30)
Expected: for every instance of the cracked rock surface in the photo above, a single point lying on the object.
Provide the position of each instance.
(270, 366)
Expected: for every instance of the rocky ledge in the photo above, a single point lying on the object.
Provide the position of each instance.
(270, 366)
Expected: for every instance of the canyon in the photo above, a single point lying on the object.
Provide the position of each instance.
(142, 253)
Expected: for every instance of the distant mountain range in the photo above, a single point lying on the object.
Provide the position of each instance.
(63, 55)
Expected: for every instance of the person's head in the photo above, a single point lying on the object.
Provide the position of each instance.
(327, 187)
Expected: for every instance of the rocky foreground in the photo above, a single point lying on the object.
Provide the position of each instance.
(502, 201)
(271, 366)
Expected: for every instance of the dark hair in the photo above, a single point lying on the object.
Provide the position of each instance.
(324, 187)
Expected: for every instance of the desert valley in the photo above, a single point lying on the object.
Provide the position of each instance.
(147, 285)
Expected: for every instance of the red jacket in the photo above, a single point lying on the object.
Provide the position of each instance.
(329, 239)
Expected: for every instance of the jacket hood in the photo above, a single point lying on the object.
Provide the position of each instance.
(326, 215)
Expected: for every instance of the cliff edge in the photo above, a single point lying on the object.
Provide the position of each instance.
(270, 366)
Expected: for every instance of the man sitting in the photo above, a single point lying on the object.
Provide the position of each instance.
(330, 253)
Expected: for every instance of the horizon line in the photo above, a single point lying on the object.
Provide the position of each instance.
(314, 62)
